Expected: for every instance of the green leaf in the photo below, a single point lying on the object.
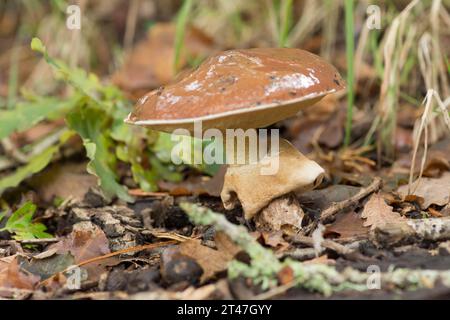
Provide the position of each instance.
(88, 84)
(90, 124)
(37, 45)
(35, 165)
(27, 114)
(20, 223)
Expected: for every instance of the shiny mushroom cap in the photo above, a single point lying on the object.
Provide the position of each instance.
(250, 88)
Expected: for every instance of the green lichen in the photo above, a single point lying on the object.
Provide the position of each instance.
(264, 266)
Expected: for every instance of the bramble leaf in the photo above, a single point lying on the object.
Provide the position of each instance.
(90, 124)
(21, 225)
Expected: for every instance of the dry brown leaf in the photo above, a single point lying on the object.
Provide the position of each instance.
(37, 132)
(85, 242)
(347, 225)
(377, 212)
(437, 161)
(323, 259)
(12, 277)
(64, 181)
(210, 260)
(274, 239)
(285, 275)
(198, 185)
(432, 190)
(225, 245)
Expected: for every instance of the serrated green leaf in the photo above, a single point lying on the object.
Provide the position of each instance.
(21, 225)
(90, 124)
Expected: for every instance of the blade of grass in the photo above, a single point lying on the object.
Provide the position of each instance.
(285, 22)
(182, 19)
(350, 48)
(13, 78)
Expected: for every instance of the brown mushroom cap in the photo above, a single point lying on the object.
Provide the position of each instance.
(250, 88)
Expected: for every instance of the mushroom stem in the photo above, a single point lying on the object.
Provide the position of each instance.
(282, 214)
(270, 191)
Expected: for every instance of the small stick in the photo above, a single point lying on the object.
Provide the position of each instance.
(38, 241)
(326, 243)
(335, 208)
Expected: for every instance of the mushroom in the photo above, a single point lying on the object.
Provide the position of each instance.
(249, 89)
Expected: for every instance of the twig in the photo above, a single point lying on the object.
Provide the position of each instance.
(336, 207)
(38, 241)
(168, 235)
(332, 210)
(329, 244)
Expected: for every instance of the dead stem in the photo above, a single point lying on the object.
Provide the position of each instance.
(337, 207)
(326, 243)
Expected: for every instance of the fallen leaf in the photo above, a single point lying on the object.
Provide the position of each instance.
(46, 267)
(274, 239)
(210, 260)
(323, 259)
(12, 277)
(225, 245)
(432, 190)
(198, 185)
(434, 213)
(35, 133)
(285, 275)
(347, 225)
(377, 213)
(323, 198)
(63, 181)
(333, 133)
(86, 241)
(437, 161)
